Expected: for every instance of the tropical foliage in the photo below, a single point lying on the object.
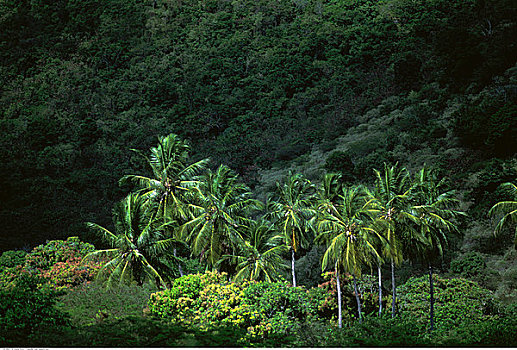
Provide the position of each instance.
(292, 209)
(260, 256)
(218, 215)
(263, 310)
(508, 210)
(138, 246)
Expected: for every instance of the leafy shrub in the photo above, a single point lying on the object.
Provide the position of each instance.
(58, 263)
(44, 256)
(408, 331)
(9, 275)
(12, 258)
(174, 304)
(72, 273)
(264, 311)
(325, 297)
(498, 331)
(26, 309)
(469, 264)
(276, 309)
(457, 301)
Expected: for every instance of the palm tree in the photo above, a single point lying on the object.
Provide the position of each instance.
(171, 181)
(328, 192)
(327, 196)
(172, 176)
(506, 208)
(392, 190)
(349, 238)
(292, 210)
(139, 248)
(435, 212)
(260, 257)
(218, 215)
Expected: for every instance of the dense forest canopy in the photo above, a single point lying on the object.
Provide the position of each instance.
(251, 84)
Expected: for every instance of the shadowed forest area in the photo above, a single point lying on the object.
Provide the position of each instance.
(258, 173)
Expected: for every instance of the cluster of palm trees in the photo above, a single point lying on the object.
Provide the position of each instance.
(214, 214)
(401, 217)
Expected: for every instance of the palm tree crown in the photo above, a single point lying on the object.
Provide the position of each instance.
(172, 176)
(508, 210)
(434, 208)
(260, 257)
(218, 215)
(139, 248)
(292, 210)
(347, 232)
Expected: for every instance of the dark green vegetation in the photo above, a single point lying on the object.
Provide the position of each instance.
(288, 108)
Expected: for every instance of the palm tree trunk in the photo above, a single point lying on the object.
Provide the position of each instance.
(380, 288)
(292, 267)
(358, 301)
(431, 291)
(394, 288)
(179, 265)
(339, 313)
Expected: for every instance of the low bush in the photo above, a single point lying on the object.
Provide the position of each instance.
(325, 295)
(58, 264)
(9, 275)
(372, 332)
(45, 256)
(12, 258)
(174, 304)
(469, 264)
(26, 309)
(458, 302)
(265, 312)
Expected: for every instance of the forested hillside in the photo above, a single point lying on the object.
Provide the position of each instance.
(250, 84)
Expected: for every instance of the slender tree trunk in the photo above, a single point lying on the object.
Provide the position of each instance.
(292, 267)
(339, 313)
(179, 265)
(380, 288)
(431, 291)
(358, 300)
(394, 288)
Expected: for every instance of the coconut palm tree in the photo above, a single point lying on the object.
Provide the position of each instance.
(349, 237)
(328, 192)
(435, 209)
(292, 209)
(172, 176)
(508, 210)
(218, 215)
(139, 249)
(172, 179)
(327, 196)
(260, 257)
(392, 191)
